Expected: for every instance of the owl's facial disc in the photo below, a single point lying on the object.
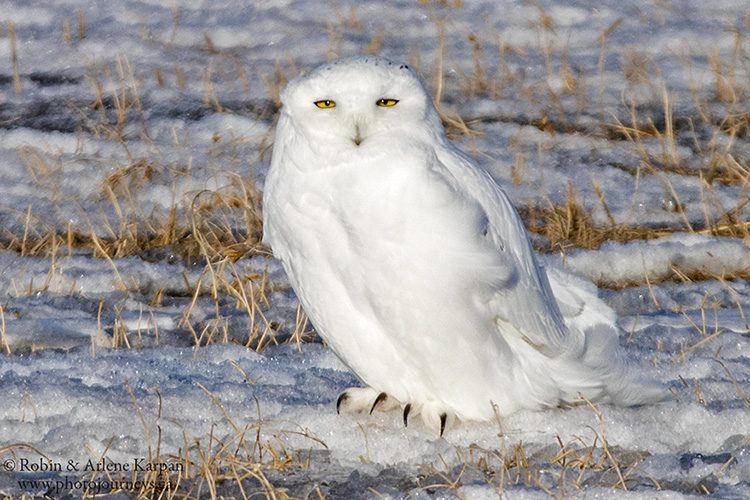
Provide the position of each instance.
(359, 103)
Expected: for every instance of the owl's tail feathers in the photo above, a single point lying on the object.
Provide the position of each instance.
(598, 367)
(622, 382)
(636, 391)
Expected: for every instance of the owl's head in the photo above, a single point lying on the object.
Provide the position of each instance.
(348, 102)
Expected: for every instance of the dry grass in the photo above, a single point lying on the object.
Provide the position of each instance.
(11, 27)
(213, 228)
(237, 465)
(251, 458)
(570, 225)
(559, 469)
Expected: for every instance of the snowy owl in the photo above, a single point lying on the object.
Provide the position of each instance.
(415, 268)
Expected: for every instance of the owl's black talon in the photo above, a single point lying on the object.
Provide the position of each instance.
(443, 418)
(342, 397)
(407, 409)
(381, 397)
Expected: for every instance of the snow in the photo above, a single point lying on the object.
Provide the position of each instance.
(655, 260)
(149, 112)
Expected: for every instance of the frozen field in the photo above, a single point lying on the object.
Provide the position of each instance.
(152, 346)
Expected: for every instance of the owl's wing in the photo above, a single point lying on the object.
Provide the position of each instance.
(523, 306)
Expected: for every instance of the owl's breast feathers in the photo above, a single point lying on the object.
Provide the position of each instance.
(423, 220)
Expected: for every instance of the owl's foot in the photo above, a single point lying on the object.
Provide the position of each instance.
(367, 399)
(433, 416)
(364, 399)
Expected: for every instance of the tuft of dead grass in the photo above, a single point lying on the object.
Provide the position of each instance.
(570, 225)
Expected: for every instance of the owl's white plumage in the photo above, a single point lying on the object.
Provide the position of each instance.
(413, 265)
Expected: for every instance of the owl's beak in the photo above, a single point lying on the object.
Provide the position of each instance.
(357, 137)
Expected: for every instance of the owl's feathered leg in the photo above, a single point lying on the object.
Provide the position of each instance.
(365, 399)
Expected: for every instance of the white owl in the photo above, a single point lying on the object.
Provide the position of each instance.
(414, 266)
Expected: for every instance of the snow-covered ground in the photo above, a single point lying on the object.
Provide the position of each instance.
(134, 140)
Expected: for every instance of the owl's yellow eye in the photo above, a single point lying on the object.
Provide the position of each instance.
(386, 103)
(325, 104)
